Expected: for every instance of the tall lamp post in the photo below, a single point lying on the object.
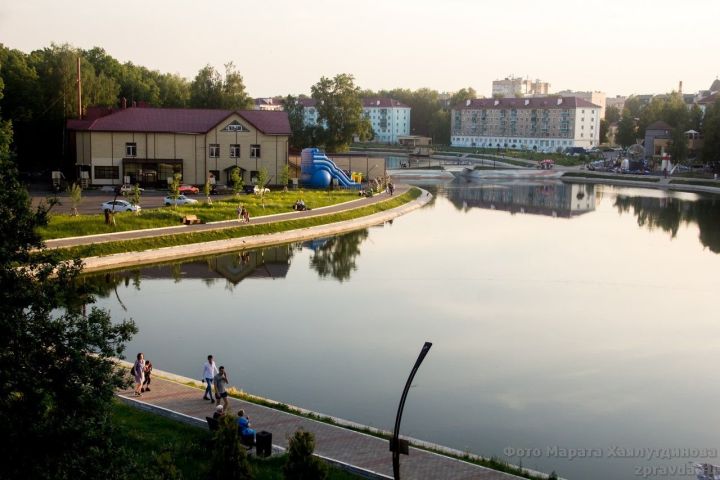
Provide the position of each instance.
(395, 444)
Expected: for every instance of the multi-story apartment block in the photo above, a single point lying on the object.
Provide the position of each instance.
(389, 118)
(543, 123)
(596, 98)
(516, 86)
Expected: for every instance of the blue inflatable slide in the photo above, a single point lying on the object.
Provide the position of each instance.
(318, 171)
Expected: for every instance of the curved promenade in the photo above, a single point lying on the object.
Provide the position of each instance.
(366, 455)
(120, 260)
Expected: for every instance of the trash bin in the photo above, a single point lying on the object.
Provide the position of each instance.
(263, 443)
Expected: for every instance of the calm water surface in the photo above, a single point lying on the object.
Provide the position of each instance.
(562, 317)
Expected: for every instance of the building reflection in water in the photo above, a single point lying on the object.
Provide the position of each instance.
(551, 198)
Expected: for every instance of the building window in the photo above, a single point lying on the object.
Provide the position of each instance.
(107, 173)
(130, 149)
(234, 150)
(255, 151)
(214, 150)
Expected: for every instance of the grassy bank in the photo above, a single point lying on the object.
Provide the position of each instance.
(109, 248)
(704, 183)
(153, 439)
(61, 226)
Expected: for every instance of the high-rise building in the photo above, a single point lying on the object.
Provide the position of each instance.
(518, 87)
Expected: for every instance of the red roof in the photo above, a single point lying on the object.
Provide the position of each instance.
(530, 102)
(181, 120)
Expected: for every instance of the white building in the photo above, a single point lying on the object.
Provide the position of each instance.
(268, 104)
(516, 86)
(389, 118)
(538, 123)
(597, 98)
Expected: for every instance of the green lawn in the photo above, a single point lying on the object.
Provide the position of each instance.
(147, 435)
(61, 226)
(240, 231)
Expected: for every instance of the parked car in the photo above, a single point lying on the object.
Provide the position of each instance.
(180, 200)
(185, 189)
(126, 188)
(257, 190)
(119, 206)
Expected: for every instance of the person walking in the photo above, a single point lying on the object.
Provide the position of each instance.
(147, 370)
(209, 371)
(239, 211)
(139, 374)
(221, 382)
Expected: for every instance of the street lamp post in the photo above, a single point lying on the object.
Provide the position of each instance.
(395, 443)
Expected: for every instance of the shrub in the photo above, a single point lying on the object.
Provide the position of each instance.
(301, 464)
(229, 460)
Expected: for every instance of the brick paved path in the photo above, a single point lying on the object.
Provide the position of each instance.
(363, 451)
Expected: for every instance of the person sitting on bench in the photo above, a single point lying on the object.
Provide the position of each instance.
(247, 434)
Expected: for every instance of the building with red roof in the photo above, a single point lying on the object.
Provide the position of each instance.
(546, 124)
(149, 145)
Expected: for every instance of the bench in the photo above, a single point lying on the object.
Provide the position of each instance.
(190, 219)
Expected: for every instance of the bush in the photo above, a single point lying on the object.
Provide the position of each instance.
(229, 460)
(301, 464)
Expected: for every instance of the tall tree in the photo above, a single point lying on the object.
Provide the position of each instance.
(5, 128)
(210, 90)
(57, 378)
(627, 130)
(340, 111)
(711, 134)
(612, 114)
(462, 95)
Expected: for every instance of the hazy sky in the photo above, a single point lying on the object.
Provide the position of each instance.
(285, 46)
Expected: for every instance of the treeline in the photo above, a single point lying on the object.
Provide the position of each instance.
(636, 116)
(40, 94)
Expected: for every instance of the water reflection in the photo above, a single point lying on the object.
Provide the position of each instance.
(554, 198)
(668, 213)
(335, 257)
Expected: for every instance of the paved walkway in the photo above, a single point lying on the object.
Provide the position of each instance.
(182, 229)
(367, 453)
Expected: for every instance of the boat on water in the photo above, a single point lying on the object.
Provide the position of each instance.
(507, 173)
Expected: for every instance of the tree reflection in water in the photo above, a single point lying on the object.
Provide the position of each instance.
(668, 213)
(336, 257)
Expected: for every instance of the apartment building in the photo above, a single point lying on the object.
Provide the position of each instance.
(516, 86)
(542, 123)
(389, 118)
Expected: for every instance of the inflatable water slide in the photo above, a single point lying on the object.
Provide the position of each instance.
(318, 171)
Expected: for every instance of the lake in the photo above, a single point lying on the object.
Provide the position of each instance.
(574, 327)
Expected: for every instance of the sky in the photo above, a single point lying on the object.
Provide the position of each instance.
(282, 47)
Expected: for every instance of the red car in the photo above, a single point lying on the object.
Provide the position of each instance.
(186, 189)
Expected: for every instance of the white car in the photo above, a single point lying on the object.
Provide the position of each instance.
(126, 189)
(181, 200)
(259, 190)
(119, 206)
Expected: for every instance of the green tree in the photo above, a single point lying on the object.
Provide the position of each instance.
(711, 135)
(301, 464)
(135, 196)
(174, 188)
(75, 194)
(236, 180)
(285, 176)
(229, 460)
(462, 95)
(5, 128)
(626, 134)
(207, 190)
(262, 180)
(340, 111)
(300, 137)
(210, 90)
(603, 130)
(612, 114)
(57, 376)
